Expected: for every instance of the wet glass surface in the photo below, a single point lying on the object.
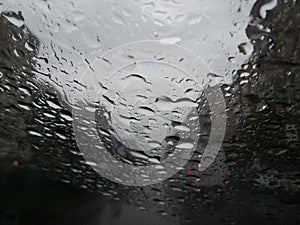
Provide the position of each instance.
(52, 50)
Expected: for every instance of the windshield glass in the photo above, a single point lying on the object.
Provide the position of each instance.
(182, 111)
